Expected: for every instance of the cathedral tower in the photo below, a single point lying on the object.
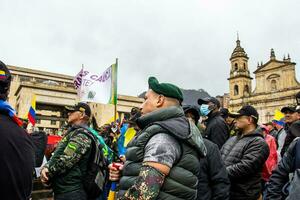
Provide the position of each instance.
(239, 79)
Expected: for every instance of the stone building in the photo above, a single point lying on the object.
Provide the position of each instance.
(276, 83)
(53, 92)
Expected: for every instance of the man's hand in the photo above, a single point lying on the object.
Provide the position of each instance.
(114, 172)
(44, 176)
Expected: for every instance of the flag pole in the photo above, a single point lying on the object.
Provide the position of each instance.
(116, 97)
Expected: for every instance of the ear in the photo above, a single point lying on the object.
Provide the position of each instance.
(251, 120)
(160, 101)
(82, 115)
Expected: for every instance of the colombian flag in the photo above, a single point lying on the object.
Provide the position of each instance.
(31, 113)
(278, 118)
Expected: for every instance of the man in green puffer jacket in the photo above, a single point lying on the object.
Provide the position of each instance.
(162, 161)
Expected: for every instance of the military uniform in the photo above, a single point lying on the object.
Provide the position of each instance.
(68, 166)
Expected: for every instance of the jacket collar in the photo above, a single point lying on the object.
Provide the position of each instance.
(159, 115)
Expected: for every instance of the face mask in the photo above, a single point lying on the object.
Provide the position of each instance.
(204, 109)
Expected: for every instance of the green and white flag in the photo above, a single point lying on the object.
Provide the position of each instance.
(98, 87)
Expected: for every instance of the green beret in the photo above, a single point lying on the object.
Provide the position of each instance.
(166, 89)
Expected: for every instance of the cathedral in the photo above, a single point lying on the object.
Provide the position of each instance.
(275, 84)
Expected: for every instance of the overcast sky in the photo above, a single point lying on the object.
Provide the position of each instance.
(186, 42)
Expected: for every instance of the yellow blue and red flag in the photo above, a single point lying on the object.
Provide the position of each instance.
(31, 112)
(278, 118)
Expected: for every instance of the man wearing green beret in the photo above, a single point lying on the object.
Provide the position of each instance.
(162, 161)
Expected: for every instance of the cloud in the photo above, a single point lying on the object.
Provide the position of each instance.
(184, 42)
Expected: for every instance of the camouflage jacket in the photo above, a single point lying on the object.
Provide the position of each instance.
(68, 166)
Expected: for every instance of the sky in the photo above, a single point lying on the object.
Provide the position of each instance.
(187, 43)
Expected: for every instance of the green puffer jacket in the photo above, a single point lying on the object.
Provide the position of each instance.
(181, 183)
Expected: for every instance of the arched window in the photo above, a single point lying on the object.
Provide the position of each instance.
(246, 89)
(236, 67)
(236, 90)
(244, 66)
(273, 85)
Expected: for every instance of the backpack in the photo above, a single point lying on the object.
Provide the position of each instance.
(292, 189)
(94, 180)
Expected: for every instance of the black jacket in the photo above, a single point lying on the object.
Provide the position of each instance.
(280, 175)
(213, 179)
(16, 160)
(216, 129)
(288, 139)
(244, 157)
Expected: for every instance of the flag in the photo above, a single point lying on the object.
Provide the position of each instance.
(112, 119)
(78, 81)
(112, 192)
(126, 135)
(98, 87)
(130, 133)
(31, 112)
(114, 93)
(278, 118)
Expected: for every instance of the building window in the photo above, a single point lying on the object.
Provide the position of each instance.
(25, 78)
(244, 66)
(38, 121)
(273, 85)
(53, 122)
(236, 90)
(246, 89)
(236, 67)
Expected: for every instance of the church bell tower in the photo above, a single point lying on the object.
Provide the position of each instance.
(239, 79)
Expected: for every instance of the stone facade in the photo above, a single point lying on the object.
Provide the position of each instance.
(275, 87)
(224, 100)
(53, 92)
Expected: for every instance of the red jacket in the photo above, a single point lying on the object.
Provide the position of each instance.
(272, 160)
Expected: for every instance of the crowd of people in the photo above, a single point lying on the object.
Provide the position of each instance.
(164, 150)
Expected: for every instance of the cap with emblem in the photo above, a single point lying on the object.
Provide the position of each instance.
(5, 78)
(245, 111)
(165, 89)
(82, 107)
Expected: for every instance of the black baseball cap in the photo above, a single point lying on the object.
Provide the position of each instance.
(5, 78)
(287, 109)
(209, 99)
(245, 111)
(82, 107)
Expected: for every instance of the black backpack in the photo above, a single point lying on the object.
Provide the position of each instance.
(94, 180)
(291, 190)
